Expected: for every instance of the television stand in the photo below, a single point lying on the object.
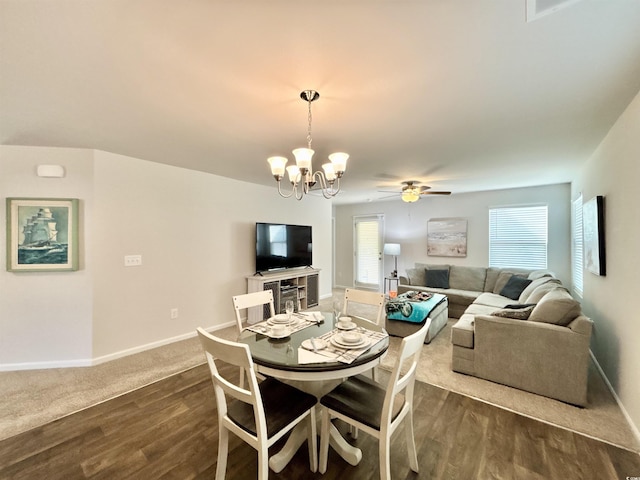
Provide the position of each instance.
(299, 284)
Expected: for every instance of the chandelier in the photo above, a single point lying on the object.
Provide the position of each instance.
(301, 175)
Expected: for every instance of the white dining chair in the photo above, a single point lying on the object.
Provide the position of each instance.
(377, 409)
(364, 297)
(253, 299)
(260, 414)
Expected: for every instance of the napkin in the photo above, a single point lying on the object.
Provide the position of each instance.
(307, 356)
(312, 316)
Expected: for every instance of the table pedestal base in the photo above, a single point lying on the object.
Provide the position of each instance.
(351, 454)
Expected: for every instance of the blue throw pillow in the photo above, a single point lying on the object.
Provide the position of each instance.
(437, 278)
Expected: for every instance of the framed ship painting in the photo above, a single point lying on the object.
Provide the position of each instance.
(42, 234)
(593, 233)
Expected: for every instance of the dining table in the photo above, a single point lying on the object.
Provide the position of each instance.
(292, 359)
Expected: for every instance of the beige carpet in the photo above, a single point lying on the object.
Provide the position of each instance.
(33, 398)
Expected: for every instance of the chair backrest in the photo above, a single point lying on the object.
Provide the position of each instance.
(239, 355)
(248, 300)
(364, 297)
(403, 376)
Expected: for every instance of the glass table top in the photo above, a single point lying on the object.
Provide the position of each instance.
(283, 353)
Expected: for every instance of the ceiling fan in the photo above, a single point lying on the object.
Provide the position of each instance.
(411, 191)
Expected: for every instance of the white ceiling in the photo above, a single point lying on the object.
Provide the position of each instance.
(463, 95)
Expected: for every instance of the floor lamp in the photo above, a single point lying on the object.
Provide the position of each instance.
(393, 249)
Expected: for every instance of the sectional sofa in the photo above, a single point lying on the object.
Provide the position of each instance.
(516, 327)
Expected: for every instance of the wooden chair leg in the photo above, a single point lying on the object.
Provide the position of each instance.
(263, 463)
(383, 452)
(411, 442)
(223, 450)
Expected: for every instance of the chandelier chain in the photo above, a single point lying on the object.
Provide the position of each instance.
(309, 127)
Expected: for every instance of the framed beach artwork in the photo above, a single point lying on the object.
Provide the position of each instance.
(42, 234)
(593, 232)
(447, 237)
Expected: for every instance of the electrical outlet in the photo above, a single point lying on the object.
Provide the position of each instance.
(174, 313)
(132, 260)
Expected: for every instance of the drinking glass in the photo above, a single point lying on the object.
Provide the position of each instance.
(288, 308)
(337, 309)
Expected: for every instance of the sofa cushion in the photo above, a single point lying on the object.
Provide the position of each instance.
(437, 278)
(515, 313)
(467, 278)
(462, 331)
(493, 300)
(417, 276)
(536, 274)
(557, 307)
(541, 290)
(502, 280)
(514, 287)
(533, 285)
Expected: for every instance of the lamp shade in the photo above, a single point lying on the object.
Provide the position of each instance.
(391, 249)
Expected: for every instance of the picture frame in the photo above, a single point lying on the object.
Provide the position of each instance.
(42, 234)
(593, 235)
(447, 237)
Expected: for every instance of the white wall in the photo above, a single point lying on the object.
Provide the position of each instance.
(195, 232)
(407, 224)
(614, 171)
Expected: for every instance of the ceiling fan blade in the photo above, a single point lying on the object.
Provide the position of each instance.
(435, 193)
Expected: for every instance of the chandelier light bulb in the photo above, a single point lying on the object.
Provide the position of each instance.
(329, 172)
(277, 165)
(339, 161)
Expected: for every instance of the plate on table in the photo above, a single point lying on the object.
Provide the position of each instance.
(339, 341)
(280, 318)
(320, 344)
(347, 327)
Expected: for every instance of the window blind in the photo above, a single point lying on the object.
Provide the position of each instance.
(367, 251)
(577, 250)
(518, 237)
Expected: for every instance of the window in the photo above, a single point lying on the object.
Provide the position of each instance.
(518, 237)
(368, 239)
(577, 251)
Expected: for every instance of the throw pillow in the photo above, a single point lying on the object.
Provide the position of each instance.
(416, 276)
(514, 287)
(519, 305)
(541, 290)
(535, 284)
(517, 314)
(557, 307)
(437, 278)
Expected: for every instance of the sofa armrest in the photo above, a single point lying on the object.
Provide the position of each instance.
(538, 357)
(404, 280)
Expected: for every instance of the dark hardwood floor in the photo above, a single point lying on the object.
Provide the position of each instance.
(168, 430)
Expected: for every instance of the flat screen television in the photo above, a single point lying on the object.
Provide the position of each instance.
(281, 246)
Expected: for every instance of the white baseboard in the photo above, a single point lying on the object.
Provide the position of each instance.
(632, 425)
(90, 362)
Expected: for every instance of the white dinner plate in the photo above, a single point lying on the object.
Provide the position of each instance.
(351, 326)
(334, 340)
(280, 318)
(291, 323)
(320, 344)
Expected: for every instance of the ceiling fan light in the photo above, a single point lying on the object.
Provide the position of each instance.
(303, 157)
(410, 196)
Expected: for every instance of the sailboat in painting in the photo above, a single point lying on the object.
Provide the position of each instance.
(40, 244)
